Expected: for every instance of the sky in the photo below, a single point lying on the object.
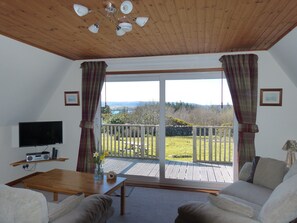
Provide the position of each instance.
(201, 91)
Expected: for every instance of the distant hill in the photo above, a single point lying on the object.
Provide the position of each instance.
(133, 104)
(130, 104)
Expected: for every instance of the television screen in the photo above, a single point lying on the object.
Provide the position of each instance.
(40, 133)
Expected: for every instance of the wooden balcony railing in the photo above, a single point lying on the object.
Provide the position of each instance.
(213, 144)
(134, 141)
(210, 143)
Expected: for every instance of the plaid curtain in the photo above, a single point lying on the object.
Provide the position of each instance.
(242, 76)
(93, 75)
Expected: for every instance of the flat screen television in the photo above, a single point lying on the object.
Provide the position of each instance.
(40, 133)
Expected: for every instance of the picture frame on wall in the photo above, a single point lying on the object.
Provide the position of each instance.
(71, 98)
(271, 96)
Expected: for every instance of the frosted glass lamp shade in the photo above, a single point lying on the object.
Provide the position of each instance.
(126, 7)
(80, 10)
(94, 28)
(141, 21)
(120, 31)
(126, 26)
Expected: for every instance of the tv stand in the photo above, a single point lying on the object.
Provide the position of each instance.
(21, 162)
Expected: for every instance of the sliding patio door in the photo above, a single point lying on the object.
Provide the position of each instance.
(168, 128)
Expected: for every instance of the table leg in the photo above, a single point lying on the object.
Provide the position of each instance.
(55, 196)
(123, 197)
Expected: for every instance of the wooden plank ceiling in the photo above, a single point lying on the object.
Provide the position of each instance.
(174, 26)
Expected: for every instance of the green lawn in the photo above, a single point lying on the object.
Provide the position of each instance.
(180, 148)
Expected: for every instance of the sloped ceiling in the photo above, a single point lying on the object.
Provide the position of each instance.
(174, 27)
(285, 53)
(28, 77)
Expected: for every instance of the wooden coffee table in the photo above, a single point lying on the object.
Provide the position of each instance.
(72, 182)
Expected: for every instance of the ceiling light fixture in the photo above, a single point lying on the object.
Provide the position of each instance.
(123, 23)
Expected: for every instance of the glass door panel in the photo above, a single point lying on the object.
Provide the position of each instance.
(130, 125)
(199, 132)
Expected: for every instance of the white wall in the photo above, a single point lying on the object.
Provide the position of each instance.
(71, 116)
(28, 78)
(276, 123)
(285, 53)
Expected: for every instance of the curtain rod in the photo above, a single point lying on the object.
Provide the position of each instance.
(214, 69)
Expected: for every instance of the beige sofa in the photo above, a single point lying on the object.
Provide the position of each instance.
(270, 196)
(20, 205)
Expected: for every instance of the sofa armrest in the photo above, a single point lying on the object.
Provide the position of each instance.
(194, 212)
(95, 208)
(22, 205)
(245, 171)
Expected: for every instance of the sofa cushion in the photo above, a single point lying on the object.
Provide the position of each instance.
(292, 171)
(229, 203)
(94, 208)
(250, 192)
(56, 210)
(282, 205)
(269, 172)
(253, 169)
(22, 205)
(245, 171)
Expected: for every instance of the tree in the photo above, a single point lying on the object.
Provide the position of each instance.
(106, 109)
(146, 114)
(177, 114)
(176, 122)
(106, 113)
(120, 118)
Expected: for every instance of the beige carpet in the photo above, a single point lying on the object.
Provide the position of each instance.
(148, 205)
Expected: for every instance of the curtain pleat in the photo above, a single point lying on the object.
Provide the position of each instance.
(242, 76)
(93, 75)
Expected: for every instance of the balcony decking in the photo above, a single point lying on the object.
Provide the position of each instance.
(207, 172)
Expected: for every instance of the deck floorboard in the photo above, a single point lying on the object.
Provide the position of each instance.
(199, 171)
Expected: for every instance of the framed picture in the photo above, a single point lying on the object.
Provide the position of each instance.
(271, 96)
(71, 98)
